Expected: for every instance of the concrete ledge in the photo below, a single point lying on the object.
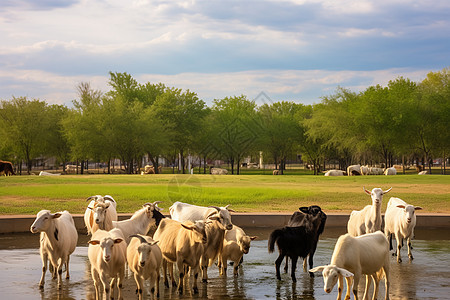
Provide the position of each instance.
(15, 224)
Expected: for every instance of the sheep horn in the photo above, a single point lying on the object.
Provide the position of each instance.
(218, 208)
(109, 198)
(139, 237)
(91, 197)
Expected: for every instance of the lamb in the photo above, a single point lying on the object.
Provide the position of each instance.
(292, 242)
(235, 244)
(356, 256)
(107, 255)
(400, 220)
(183, 244)
(368, 219)
(354, 170)
(58, 240)
(144, 258)
(100, 213)
(141, 221)
(390, 171)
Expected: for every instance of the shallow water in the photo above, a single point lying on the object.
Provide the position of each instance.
(426, 277)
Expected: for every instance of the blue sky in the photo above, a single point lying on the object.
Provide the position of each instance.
(297, 50)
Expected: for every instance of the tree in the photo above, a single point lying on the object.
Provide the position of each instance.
(281, 134)
(56, 142)
(25, 124)
(237, 127)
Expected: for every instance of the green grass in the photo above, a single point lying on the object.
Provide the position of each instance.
(246, 193)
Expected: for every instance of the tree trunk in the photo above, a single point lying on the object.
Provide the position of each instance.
(82, 167)
(232, 166)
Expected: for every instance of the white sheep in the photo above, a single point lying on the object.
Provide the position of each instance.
(144, 258)
(375, 171)
(400, 220)
(218, 171)
(356, 256)
(364, 170)
(107, 255)
(100, 213)
(58, 240)
(354, 170)
(368, 219)
(140, 222)
(390, 171)
(236, 243)
(335, 173)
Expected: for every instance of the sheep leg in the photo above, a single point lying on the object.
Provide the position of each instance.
(120, 282)
(386, 280)
(349, 281)
(95, 277)
(156, 282)
(106, 287)
(311, 261)
(305, 264)
(340, 286)
(59, 268)
(139, 284)
(376, 282)
(236, 267)
(180, 266)
(44, 258)
(278, 263)
(366, 290)
(286, 265)
(67, 267)
(294, 266)
(112, 287)
(204, 262)
(399, 246)
(409, 249)
(196, 271)
(355, 285)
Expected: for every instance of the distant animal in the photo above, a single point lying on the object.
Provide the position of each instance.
(423, 173)
(368, 219)
(354, 170)
(390, 171)
(107, 255)
(335, 173)
(364, 170)
(218, 171)
(144, 259)
(419, 168)
(314, 218)
(375, 171)
(235, 244)
(276, 172)
(400, 220)
(6, 168)
(57, 242)
(367, 254)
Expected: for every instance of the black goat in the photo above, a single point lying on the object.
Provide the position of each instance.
(292, 242)
(315, 219)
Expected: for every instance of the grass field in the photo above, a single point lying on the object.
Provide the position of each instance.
(246, 193)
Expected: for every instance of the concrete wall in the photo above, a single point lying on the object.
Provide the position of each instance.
(12, 224)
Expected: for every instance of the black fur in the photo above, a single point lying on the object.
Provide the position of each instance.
(158, 216)
(56, 234)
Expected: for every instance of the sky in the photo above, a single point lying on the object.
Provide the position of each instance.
(294, 50)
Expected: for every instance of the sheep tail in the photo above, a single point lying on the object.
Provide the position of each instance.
(273, 238)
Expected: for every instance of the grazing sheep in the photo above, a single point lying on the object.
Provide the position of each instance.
(144, 258)
(107, 255)
(218, 171)
(390, 171)
(375, 171)
(276, 172)
(368, 219)
(354, 170)
(314, 218)
(356, 256)
(423, 173)
(235, 244)
(364, 170)
(183, 244)
(6, 168)
(400, 220)
(58, 240)
(335, 173)
(141, 221)
(100, 213)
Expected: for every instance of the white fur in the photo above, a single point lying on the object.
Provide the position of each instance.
(356, 256)
(58, 240)
(390, 171)
(334, 173)
(351, 168)
(400, 220)
(100, 213)
(368, 219)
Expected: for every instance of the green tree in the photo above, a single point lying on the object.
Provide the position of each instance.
(56, 142)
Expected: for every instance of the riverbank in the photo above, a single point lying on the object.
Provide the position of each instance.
(22, 223)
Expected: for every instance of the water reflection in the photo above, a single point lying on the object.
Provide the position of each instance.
(423, 278)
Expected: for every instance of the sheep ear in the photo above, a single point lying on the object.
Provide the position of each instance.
(253, 238)
(367, 191)
(229, 209)
(94, 242)
(117, 241)
(154, 243)
(418, 208)
(56, 215)
(214, 218)
(344, 272)
(317, 269)
(188, 227)
(401, 206)
(303, 209)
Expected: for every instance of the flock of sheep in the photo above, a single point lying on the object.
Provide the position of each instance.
(367, 170)
(195, 237)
